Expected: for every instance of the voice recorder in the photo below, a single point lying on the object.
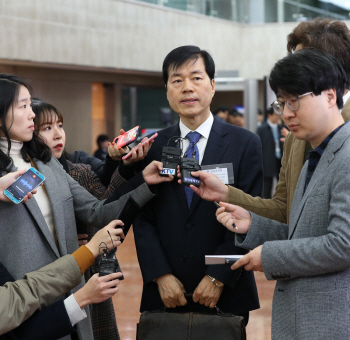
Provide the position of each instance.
(30, 180)
(171, 157)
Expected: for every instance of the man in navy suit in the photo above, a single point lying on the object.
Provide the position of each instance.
(175, 231)
(272, 149)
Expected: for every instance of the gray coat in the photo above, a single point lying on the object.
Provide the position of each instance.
(310, 258)
(26, 243)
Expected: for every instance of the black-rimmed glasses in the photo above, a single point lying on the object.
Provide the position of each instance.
(293, 103)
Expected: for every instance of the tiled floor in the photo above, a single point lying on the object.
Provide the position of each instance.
(127, 301)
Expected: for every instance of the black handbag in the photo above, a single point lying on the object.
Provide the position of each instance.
(159, 325)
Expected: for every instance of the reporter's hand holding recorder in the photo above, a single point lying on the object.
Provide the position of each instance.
(96, 290)
(100, 288)
(8, 180)
(233, 217)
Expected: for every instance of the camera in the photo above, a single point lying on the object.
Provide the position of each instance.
(171, 157)
(188, 165)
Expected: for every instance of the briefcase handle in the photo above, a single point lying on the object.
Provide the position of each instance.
(218, 310)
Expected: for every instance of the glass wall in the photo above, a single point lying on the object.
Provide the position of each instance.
(261, 11)
(147, 107)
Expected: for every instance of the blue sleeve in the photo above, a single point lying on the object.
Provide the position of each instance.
(48, 324)
(5, 276)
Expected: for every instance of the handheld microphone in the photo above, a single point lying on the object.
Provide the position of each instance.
(188, 165)
(171, 157)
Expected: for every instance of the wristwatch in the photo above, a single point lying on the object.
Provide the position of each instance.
(216, 282)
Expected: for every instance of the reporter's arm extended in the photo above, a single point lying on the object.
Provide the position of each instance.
(274, 208)
(20, 299)
(38, 289)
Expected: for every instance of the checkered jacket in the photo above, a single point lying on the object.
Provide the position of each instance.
(104, 323)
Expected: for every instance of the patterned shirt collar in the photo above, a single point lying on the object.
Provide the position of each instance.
(316, 154)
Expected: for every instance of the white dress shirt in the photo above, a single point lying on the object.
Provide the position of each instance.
(204, 129)
(274, 127)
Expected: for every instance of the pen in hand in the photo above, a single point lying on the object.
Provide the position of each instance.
(219, 206)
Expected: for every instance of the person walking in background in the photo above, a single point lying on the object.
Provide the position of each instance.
(236, 118)
(222, 113)
(102, 143)
(272, 149)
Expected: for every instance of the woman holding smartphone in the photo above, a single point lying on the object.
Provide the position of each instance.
(43, 229)
(48, 124)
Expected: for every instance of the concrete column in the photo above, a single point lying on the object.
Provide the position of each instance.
(280, 11)
(133, 99)
(251, 103)
(113, 109)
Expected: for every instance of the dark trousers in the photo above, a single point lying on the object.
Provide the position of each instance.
(268, 182)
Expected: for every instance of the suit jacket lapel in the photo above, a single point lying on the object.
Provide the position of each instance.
(33, 208)
(35, 211)
(325, 161)
(56, 205)
(214, 150)
(297, 204)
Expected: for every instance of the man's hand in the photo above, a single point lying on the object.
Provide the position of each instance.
(251, 261)
(7, 180)
(112, 239)
(171, 291)
(151, 174)
(232, 215)
(211, 188)
(207, 293)
(97, 289)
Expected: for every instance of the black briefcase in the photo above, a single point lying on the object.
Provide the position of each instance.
(162, 325)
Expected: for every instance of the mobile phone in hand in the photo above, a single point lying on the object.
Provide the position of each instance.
(127, 137)
(142, 144)
(30, 180)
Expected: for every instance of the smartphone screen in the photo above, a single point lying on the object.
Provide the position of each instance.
(31, 179)
(148, 140)
(127, 138)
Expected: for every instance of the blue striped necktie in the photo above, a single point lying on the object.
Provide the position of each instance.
(193, 137)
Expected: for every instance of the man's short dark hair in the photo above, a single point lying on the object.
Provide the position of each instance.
(309, 70)
(180, 55)
(331, 36)
(101, 138)
(270, 111)
(221, 108)
(234, 113)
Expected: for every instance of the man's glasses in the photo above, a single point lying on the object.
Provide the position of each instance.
(293, 103)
